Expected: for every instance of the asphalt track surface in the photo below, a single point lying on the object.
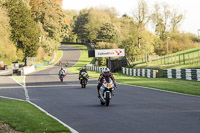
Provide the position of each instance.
(132, 109)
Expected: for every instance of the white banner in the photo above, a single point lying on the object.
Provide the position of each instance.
(109, 52)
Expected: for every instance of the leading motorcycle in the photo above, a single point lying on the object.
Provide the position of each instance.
(61, 76)
(106, 91)
(84, 79)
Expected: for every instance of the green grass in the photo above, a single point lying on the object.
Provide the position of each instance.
(172, 66)
(175, 85)
(20, 79)
(24, 117)
(83, 61)
(58, 56)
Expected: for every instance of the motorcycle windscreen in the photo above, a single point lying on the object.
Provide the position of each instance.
(107, 79)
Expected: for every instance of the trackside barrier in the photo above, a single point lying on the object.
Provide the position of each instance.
(149, 73)
(28, 69)
(186, 74)
(92, 67)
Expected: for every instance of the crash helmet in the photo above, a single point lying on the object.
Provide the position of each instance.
(83, 68)
(106, 71)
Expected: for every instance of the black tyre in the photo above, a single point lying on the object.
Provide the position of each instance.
(102, 103)
(107, 98)
(61, 80)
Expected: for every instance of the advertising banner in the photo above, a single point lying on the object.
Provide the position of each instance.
(109, 52)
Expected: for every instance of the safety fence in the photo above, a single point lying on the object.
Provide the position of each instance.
(92, 67)
(149, 73)
(187, 74)
(190, 58)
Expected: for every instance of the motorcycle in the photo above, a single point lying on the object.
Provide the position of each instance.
(106, 91)
(84, 79)
(61, 76)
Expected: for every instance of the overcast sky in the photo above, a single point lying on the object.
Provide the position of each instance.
(190, 9)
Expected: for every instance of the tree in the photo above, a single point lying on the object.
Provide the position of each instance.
(7, 47)
(52, 22)
(142, 16)
(25, 32)
(107, 33)
(176, 20)
(80, 25)
(88, 23)
(161, 18)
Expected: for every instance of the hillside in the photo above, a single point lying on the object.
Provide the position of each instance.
(184, 59)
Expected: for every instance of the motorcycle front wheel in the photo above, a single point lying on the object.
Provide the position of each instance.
(107, 98)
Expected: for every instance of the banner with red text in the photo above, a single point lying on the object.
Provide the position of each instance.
(109, 52)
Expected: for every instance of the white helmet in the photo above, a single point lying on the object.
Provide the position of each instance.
(106, 71)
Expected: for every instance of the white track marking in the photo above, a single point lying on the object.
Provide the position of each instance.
(71, 129)
(24, 87)
(161, 90)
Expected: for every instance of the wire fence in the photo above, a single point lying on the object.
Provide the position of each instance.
(179, 59)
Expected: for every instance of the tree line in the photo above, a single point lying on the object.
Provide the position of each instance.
(34, 28)
(30, 28)
(105, 29)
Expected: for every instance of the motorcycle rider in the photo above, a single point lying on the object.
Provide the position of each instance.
(83, 69)
(105, 74)
(61, 72)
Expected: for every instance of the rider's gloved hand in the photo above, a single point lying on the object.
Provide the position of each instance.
(115, 85)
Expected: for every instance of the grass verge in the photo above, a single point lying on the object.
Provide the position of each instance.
(58, 56)
(175, 85)
(170, 66)
(83, 61)
(24, 117)
(19, 79)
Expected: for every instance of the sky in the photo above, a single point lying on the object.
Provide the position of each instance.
(190, 9)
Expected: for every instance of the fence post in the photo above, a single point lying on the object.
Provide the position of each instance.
(188, 59)
(193, 59)
(171, 59)
(179, 59)
(175, 59)
(164, 59)
(198, 57)
(184, 58)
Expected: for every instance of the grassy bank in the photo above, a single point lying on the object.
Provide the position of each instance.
(176, 85)
(172, 66)
(24, 117)
(83, 61)
(58, 56)
(184, 59)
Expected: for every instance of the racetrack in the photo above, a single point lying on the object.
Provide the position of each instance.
(132, 109)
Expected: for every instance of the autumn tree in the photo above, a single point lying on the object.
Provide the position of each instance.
(25, 33)
(107, 33)
(7, 47)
